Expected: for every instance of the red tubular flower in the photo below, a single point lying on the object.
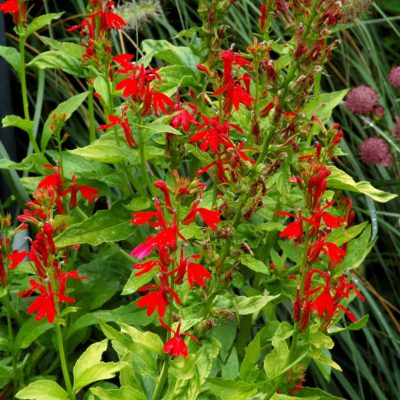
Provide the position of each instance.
(176, 346)
(333, 251)
(2, 272)
(183, 119)
(13, 7)
(210, 217)
(89, 193)
(196, 273)
(263, 17)
(214, 135)
(43, 305)
(16, 258)
(157, 299)
(124, 124)
(294, 230)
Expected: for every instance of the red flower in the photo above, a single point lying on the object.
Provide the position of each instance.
(330, 220)
(196, 273)
(124, 124)
(210, 217)
(235, 94)
(183, 119)
(214, 135)
(157, 299)
(333, 251)
(43, 305)
(295, 229)
(16, 258)
(12, 7)
(176, 346)
(89, 193)
(159, 101)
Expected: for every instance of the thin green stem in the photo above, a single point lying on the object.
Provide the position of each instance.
(92, 127)
(243, 200)
(64, 367)
(143, 165)
(24, 91)
(161, 381)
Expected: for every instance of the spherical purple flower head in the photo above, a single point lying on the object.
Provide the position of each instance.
(396, 130)
(394, 77)
(362, 100)
(375, 151)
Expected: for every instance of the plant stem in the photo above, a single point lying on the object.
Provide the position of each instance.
(63, 360)
(243, 199)
(161, 381)
(92, 128)
(143, 165)
(24, 91)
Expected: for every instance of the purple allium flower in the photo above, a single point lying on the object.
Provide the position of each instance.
(374, 151)
(394, 77)
(379, 111)
(361, 100)
(396, 130)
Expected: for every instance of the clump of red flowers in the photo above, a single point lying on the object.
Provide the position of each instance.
(171, 267)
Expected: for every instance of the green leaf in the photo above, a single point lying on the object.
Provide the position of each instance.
(123, 393)
(30, 331)
(40, 22)
(249, 368)
(18, 122)
(275, 361)
(176, 55)
(135, 282)
(229, 390)
(308, 392)
(322, 105)
(72, 49)
(43, 390)
(147, 339)
(66, 108)
(341, 235)
(249, 305)
(176, 76)
(355, 326)
(256, 265)
(106, 150)
(338, 179)
(106, 226)
(100, 86)
(89, 368)
(358, 249)
(56, 59)
(12, 57)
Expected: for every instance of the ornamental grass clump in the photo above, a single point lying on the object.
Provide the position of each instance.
(200, 223)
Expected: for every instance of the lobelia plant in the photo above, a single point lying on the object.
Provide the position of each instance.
(215, 181)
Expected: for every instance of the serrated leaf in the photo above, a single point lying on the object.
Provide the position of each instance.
(229, 390)
(12, 57)
(248, 368)
(338, 179)
(105, 226)
(66, 108)
(42, 390)
(123, 393)
(40, 22)
(249, 305)
(89, 368)
(256, 265)
(56, 59)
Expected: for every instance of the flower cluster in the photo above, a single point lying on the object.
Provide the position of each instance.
(47, 260)
(376, 151)
(312, 232)
(171, 267)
